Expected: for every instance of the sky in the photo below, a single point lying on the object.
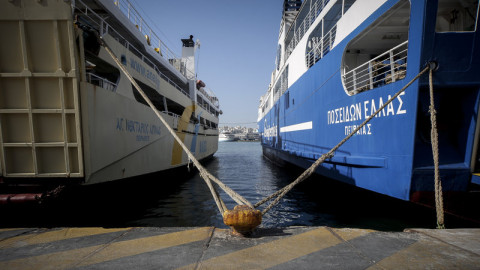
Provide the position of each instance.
(238, 46)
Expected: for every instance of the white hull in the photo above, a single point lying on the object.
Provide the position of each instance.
(226, 137)
(225, 140)
(58, 122)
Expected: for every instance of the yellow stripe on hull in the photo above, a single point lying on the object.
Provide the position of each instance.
(177, 151)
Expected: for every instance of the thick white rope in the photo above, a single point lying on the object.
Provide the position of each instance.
(280, 193)
(435, 153)
(207, 177)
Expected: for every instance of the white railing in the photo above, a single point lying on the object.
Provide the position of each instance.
(321, 47)
(386, 68)
(171, 114)
(102, 82)
(208, 94)
(152, 39)
(103, 27)
(299, 32)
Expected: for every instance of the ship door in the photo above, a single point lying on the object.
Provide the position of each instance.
(39, 103)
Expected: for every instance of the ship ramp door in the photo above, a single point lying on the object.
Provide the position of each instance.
(39, 103)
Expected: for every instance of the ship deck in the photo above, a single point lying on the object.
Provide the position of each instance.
(214, 248)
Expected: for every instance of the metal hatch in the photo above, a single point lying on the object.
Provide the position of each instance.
(40, 132)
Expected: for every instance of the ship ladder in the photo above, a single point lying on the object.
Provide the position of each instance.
(244, 218)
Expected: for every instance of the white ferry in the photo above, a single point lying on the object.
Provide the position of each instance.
(226, 137)
(69, 115)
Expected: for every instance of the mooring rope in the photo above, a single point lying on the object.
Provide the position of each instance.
(282, 192)
(435, 147)
(206, 176)
(278, 195)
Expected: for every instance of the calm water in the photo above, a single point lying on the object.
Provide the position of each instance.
(183, 199)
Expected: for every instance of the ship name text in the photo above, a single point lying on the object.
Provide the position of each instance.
(363, 110)
(270, 132)
(143, 131)
(145, 72)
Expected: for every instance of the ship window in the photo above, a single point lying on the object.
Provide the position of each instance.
(153, 95)
(378, 56)
(174, 107)
(456, 16)
(200, 100)
(157, 99)
(100, 72)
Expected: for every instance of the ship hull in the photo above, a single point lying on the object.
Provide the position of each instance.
(123, 143)
(69, 115)
(392, 154)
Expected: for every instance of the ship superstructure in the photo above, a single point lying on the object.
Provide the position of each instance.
(68, 114)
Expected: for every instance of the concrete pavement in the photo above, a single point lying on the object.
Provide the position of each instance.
(213, 248)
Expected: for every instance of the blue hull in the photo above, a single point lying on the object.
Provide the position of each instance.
(391, 155)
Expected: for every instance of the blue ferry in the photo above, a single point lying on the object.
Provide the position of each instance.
(339, 61)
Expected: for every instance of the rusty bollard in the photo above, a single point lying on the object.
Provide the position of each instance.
(242, 219)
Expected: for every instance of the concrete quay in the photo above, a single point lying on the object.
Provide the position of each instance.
(214, 248)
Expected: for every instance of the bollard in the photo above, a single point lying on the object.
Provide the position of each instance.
(242, 219)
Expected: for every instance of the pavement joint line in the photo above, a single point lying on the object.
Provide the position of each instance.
(433, 249)
(91, 255)
(378, 264)
(43, 235)
(275, 252)
(10, 229)
(335, 234)
(206, 246)
(100, 248)
(28, 235)
(441, 240)
(359, 252)
(428, 253)
(23, 233)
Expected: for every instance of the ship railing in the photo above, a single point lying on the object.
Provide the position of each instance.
(298, 32)
(386, 68)
(175, 116)
(171, 114)
(207, 93)
(145, 59)
(152, 38)
(100, 81)
(321, 47)
(103, 28)
(282, 26)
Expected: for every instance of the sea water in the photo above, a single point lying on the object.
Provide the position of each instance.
(182, 199)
